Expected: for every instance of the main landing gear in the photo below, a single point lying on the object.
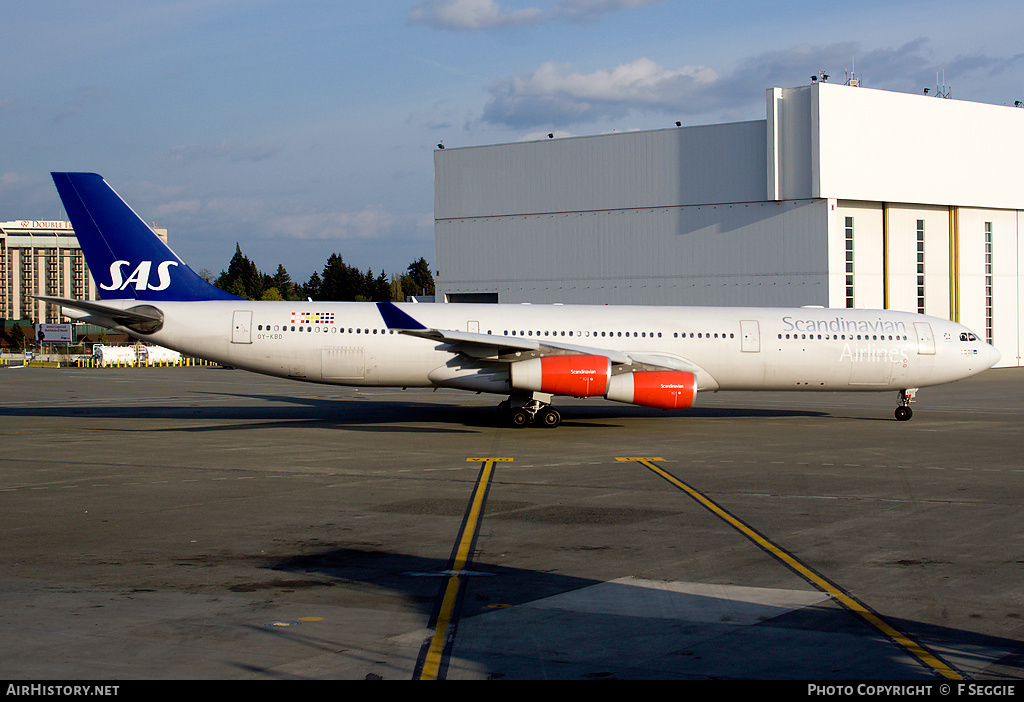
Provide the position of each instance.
(903, 412)
(529, 412)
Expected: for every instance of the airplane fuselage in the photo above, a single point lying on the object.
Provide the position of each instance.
(729, 348)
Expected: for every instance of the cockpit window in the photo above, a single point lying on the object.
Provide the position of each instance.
(968, 336)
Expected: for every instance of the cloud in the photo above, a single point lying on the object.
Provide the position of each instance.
(177, 208)
(11, 179)
(224, 150)
(556, 95)
(583, 11)
(553, 94)
(368, 223)
(83, 98)
(476, 15)
(470, 15)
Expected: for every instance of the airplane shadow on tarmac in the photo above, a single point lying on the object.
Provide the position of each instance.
(373, 414)
(527, 624)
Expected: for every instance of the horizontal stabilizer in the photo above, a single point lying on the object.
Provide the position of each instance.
(143, 318)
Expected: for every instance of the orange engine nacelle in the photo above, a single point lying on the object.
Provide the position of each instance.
(664, 389)
(577, 375)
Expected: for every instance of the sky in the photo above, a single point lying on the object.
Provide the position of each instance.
(299, 129)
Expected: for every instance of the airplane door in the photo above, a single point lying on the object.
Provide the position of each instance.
(241, 327)
(925, 339)
(750, 336)
(343, 363)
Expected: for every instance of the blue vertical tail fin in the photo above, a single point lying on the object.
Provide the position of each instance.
(127, 259)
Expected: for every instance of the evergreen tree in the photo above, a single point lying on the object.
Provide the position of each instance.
(313, 287)
(242, 276)
(421, 278)
(381, 288)
(17, 338)
(338, 282)
(283, 282)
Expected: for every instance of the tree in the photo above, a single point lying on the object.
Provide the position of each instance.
(313, 286)
(421, 278)
(283, 282)
(382, 288)
(396, 289)
(17, 338)
(341, 282)
(242, 276)
(338, 281)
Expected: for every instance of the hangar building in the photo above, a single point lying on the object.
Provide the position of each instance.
(842, 197)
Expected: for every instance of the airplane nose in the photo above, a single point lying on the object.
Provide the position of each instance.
(992, 355)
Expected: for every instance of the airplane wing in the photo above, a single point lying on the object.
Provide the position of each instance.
(514, 348)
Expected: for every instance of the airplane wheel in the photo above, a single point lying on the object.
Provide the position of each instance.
(904, 413)
(520, 418)
(549, 418)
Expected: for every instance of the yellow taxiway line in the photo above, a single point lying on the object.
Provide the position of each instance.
(847, 600)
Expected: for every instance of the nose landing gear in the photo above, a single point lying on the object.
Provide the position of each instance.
(903, 412)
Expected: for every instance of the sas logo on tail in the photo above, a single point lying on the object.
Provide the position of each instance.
(140, 276)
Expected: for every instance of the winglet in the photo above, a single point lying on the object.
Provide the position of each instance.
(395, 318)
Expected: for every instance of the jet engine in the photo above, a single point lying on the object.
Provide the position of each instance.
(575, 375)
(664, 389)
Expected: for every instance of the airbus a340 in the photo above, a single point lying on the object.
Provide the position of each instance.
(651, 356)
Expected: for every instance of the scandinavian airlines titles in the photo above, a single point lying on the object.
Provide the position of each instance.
(841, 324)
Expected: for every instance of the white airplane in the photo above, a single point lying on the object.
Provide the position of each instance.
(650, 356)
